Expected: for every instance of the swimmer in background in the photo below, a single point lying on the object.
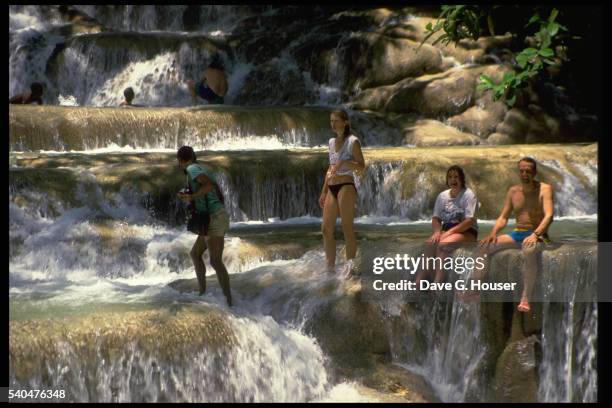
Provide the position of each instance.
(213, 85)
(34, 96)
(128, 94)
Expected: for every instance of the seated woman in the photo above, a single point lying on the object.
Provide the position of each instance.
(453, 220)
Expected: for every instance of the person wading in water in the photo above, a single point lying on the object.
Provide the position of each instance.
(209, 219)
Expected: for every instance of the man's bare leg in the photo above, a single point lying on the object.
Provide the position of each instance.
(530, 268)
(504, 241)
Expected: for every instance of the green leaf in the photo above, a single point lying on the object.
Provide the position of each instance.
(538, 64)
(428, 26)
(549, 62)
(553, 15)
(521, 60)
(510, 101)
(546, 52)
(486, 79)
(482, 87)
(534, 19)
(553, 28)
(529, 51)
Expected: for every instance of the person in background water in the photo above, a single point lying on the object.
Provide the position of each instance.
(453, 220)
(35, 95)
(205, 197)
(213, 85)
(128, 94)
(533, 206)
(339, 194)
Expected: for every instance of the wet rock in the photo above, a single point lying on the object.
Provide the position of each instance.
(60, 184)
(445, 94)
(436, 95)
(80, 22)
(495, 323)
(375, 99)
(516, 124)
(534, 124)
(532, 321)
(434, 133)
(390, 60)
(397, 384)
(465, 51)
(276, 82)
(349, 326)
(168, 335)
(499, 139)
(516, 375)
(476, 121)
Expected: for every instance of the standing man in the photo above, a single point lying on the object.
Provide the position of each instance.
(213, 85)
(532, 203)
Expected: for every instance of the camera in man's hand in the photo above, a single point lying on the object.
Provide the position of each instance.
(183, 193)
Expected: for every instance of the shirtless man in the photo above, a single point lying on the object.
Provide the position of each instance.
(532, 203)
(213, 85)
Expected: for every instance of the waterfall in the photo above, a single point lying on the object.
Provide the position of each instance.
(446, 341)
(104, 302)
(568, 372)
(201, 357)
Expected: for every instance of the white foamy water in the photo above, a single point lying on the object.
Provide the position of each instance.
(266, 363)
(572, 197)
(346, 392)
(157, 81)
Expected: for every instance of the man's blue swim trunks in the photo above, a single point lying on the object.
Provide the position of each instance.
(519, 235)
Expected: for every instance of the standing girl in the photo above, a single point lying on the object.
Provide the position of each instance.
(339, 195)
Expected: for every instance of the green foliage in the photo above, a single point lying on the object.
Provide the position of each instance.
(530, 61)
(457, 22)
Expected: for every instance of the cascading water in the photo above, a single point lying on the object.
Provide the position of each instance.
(245, 360)
(102, 293)
(568, 371)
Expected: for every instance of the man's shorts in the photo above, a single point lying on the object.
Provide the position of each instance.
(519, 235)
(219, 223)
(206, 93)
